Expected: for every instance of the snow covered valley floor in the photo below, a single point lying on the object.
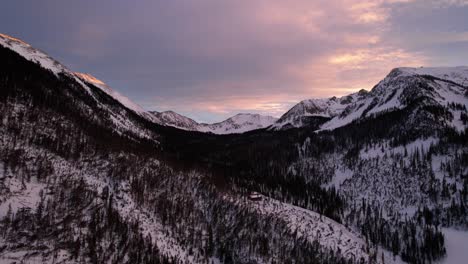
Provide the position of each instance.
(456, 242)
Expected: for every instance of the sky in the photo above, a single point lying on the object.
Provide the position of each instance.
(211, 59)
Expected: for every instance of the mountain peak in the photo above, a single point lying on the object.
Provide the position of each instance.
(248, 117)
(32, 54)
(171, 118)
(458, 74)
(315, 108)
(4, 36)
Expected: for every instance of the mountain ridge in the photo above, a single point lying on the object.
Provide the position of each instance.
(239, 123)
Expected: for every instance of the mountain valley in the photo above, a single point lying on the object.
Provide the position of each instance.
(87, 176)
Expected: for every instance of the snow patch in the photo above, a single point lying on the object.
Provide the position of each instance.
(21, 195)
(314, 227)
(417, 145)
(456, 242)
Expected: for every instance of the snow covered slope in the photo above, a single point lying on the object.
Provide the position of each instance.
(171, 118)
(32, 54)
(90, 79)
(313, 227)
(119, 115)
(239, 123)
(441, 87)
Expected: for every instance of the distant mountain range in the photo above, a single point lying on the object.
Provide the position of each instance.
(327, 113)
(239, 123)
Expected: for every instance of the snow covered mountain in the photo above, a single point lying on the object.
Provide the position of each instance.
(171, 118)
(298, 115)
(239, 123)
(439, 87)
(120, 110)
